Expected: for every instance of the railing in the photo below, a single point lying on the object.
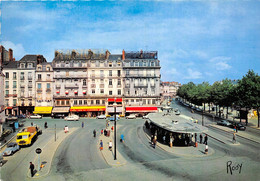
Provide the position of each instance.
(7, 87)
(93, 85)
(22, 86)
(48, 90)
(39, 90)
(30, 85)
(14, 86)
(71, 86)
(29, 78)
(21, 78)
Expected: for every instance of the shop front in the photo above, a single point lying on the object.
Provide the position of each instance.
(63, 111)
(88, 111)
(44, 111)
(140, 110)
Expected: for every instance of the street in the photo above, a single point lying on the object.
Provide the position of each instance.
(78, 157)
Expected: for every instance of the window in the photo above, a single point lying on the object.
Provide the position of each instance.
(48, 76)
(7, 102)
(80, 102)
(102, 81)
(39, 76)
(62, 102)
(39, 85)
(110, 72)
(110, 82)
(110, 92)
(6, 84)
(118, 64)
(101, 91)
(101, 73)
(48, 85)
(22, 65)
(14, 102)
(127, 72)
(93, 80)
(39, 68)
(75, 102)
(30, 75)
(118, 82)
(6, 92)
(7, 75)
(84, 82)
(119, 92)
(97, 102)
(93, 91)
(14, 84)
(144, 64)
(48, 68)
(22, 76)
(110, 64)
(68, 103)
(103, 101)
(136, 64)
(153, 101)
(14, 75)
(29, 65)
(92, 101)
(152, 64)
(14, 91)
(118, 73)
(85, 102)
(58, 103)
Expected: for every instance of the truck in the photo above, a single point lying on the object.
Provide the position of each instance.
(28, 135)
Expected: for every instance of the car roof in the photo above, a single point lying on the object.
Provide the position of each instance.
(11, 144)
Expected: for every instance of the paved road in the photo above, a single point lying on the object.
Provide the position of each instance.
(78, 158)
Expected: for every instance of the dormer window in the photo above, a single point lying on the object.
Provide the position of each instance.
(48, 68)
(39, 68)
(22, 65)
(29, 65)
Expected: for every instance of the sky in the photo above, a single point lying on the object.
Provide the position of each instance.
(196, 41)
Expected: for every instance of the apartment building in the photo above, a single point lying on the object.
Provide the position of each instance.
(169, 90)
(141, 74)
(44, 89)
(26, 68)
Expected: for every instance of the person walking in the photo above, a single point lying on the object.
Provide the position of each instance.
(110, 144)
(205, 139)
(195, 137)
(164, 137)
(31, 123)
(94, 133)
(200, 138)
(112, 128)
(154, 141)
(82, 124)
(101, 145)
(102, 131)
(152, 137)
(66, 129)
(45, 125)
(234, 138)
(31, 168)
(206, 149)
(171, 140)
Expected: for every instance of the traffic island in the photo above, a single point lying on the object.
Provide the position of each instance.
(47, 153)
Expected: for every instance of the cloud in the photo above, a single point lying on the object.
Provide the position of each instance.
(18, 49)
(222, 66)
(219, 59)
(200, 54)
(193, 74)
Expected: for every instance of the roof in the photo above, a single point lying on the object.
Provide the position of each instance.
(176, 124)
(11, 64)
(115, 57)
(29, 58)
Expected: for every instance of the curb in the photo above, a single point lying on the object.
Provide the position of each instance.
(237, 134)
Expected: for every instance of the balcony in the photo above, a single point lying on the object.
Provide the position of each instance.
(102, 85)
(21, 78)
(48, 90)
(119, 86)
(14, 86)
(71, 86)
(22, 86)
(93, 85)
(7, 86)
(30, 85)
(140, 86)
(39, 90)
(30, 78)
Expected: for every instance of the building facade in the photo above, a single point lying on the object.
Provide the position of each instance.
(141, 74)
(169, 90)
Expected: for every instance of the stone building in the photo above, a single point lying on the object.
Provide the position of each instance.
(141, 77)
(169, 90)
(26, 77)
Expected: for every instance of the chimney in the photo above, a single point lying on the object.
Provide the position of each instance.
(107, 54)
(141, 53)
(10, 55)
(123, 54)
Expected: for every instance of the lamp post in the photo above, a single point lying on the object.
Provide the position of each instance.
(115, 105)
(202, 117)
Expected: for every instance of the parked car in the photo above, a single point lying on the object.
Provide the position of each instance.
(177, 113)
(112, 118)
(102, 116)
(145, 117)
(22, 116)
(131, 116)
(59, 116)
(239, 126)
(223, 123)
(11, 149)
(72, 118)
(35, 116)
(11, 118)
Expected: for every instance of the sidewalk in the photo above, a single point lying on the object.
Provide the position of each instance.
(47, 154)
(106, 153)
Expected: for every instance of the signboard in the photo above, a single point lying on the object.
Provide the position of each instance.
(38, 150)
(16, 125)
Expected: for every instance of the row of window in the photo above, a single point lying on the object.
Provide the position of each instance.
(93, 91)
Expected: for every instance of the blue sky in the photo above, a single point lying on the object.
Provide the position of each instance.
(196, 40)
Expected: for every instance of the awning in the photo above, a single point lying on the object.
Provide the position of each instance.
(141, 109)
(111, 109)
(84, 91)
(42, 110)
(75, 92)
(61, 110)
(66, 92)
(113, 99)
(9, 108)
(87, 108)
(57, 92)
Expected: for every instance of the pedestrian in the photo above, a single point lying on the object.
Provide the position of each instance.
(171, 140)
(195, 137)
(205, 139)
(66, 129)
(110, 145)
(45, 125)
(82, 124)
(122, 139)
(94, 133)
(163, 139)
(102, 131)
(32, 168)
(200, 138)
(112, 128)
(101, 145)
(152, 137)
(154, 142)
(206, 149)
(236, 128)
(31, 123)
(234, 138)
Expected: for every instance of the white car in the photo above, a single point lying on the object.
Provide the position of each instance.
(35, 116)
(131, 116)
(72, 118)
(101, 116)
(177, 113)
(145, 117)
(11, 149)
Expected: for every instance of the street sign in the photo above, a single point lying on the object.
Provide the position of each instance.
(38, 150)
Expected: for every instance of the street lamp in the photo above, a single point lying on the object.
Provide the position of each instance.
(115, 105)
(202, 117)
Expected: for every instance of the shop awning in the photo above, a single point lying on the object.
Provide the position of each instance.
(113, 99)
(9, 108)
(141, 109)
(87, 108)
(42, 110)
(61, 110)
(111, 109)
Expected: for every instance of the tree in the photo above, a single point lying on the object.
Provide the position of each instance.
(248, 91)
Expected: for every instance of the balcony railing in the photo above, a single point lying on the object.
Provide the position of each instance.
(7, 86)
(21, 78)
(30, 85)
(39, 90)
(71, 86)
(29, 78)
(48, 90)
(22, 86)
(14, 86)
